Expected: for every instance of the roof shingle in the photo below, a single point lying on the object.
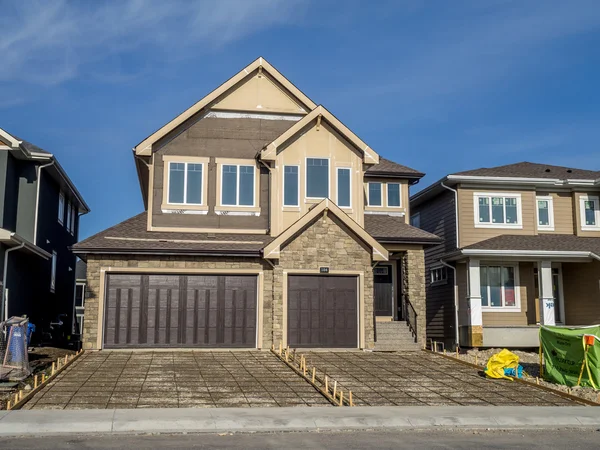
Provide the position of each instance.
(392, 228)
(541, 242)
(532, 170)
(387, 167)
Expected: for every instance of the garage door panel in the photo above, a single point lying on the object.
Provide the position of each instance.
(180, 311)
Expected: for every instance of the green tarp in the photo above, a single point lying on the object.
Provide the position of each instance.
(564, 354)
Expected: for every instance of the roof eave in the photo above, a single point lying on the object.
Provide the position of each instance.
(170, 252)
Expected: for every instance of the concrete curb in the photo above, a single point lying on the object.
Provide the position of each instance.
(123, 421)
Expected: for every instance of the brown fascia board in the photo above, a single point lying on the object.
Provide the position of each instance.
(409, 240)
(187, 252)
(415, 177)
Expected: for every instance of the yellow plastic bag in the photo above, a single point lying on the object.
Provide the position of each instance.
(500, 361)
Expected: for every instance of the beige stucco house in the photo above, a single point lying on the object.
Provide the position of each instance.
(521, 249)
(266, 221)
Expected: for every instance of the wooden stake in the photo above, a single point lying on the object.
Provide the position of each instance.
(476, 363)
(43, 378)
(444, 351)
(434, 347)
(537, 380)
(8, 405)
(341, 398)
(314, 374)
(327, 384)
(21, 395)
(35, 382)
(66, 358)
(334, 388)
(280, 348)
(16, 398)
(350, 398)
(457, 352)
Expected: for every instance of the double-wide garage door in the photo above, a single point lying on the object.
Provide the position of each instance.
(180, 311)
(322, 311)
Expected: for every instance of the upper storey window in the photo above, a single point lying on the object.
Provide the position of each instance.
(590, 212)
(343, 187)
(545, 213)
(237, 185)
(393, 194)
(291, 183)
(185, 183)
(317, 178)
(61, 207)
(497, 210)
(375, 198)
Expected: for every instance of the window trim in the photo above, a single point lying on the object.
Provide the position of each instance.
(61, 208)
(443, 279)
(550, 200)
(185, 176)
(387, 195)
(504, 195)
(369, 183)
(509, 309)
(582, 200)
(306, 178)
(53, 267)
(297, 205)
(195, 207)
(337, 193)
(237, 191)
(221, 209)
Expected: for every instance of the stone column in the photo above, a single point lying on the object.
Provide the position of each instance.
(414, 264)
(546, 297)
(475, 314)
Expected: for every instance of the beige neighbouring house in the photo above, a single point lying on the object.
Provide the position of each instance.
(266, 221)
(521, 249)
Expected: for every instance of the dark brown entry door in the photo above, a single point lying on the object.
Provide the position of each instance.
(180, 311)
(322, 311)
(382, 280)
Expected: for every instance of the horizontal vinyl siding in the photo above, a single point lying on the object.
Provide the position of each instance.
(581, 287)
(504, 319)
(563, 213)
(577, 203)
(437, 216)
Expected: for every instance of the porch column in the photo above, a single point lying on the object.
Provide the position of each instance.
(546, 293)
(475, 314)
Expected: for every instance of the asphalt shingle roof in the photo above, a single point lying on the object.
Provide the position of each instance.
(532, 170)
(392, 228)
(544, 242)
(387, 167)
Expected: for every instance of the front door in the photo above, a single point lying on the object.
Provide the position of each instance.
(384, 291)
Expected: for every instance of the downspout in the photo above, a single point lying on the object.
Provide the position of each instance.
(456, 334)
(37, 201)
(4, 274)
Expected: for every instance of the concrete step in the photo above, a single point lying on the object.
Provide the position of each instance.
(394, 337)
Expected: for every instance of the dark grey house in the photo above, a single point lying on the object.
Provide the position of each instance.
(39, 222)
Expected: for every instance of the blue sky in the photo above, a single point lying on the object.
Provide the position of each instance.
(438, 86)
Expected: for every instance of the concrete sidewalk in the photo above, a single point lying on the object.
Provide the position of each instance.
(32, 423)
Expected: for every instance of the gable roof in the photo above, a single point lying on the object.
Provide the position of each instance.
(272, 250)
(532, 170)
(390, 168)
(270, 151)
(145, 147)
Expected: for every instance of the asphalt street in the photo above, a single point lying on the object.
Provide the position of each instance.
(423, 439)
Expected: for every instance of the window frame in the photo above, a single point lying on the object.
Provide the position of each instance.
(53, 267)
(297, 205)
(416, 216)
(61, 208)
(185, 190)
(237, 191)
(504, 196)
(443, 271)
(596, 200)
(337, 186)
(74, 213)
(489, 308)
(369, 183)
(306, 178)
(387, 194)
(68, 218)
(550, 200)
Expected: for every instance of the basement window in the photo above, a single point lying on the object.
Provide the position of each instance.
(439, 275)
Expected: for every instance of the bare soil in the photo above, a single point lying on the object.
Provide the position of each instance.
(40, 360)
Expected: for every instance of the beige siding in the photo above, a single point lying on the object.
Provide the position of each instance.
(563, 212)
(504, 319)
(261, 94)
(577, 202)
(469, 234)
(581, 288)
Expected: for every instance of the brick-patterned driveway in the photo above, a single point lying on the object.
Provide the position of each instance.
(184, 379)
(420, 378)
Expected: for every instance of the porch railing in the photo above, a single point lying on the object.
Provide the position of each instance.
(411, 318)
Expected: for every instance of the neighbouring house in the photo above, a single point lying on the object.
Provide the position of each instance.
(521, 249)
(267, 221)
(39, 222)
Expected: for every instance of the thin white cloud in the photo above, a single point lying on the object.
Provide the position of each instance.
(53, 41)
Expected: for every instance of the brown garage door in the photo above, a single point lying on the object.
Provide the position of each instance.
(180, 311)
(322, 311)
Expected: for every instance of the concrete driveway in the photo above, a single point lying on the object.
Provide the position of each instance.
(177, 379)
(420, 378)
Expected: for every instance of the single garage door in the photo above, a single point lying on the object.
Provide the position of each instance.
(180, 311)
(322, 311)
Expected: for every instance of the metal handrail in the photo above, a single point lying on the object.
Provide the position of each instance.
(411, 318)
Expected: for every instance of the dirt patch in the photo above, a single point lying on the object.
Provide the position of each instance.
(40, 360)
(530, 360)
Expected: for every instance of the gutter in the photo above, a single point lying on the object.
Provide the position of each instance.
(37, 198)
(3, 310)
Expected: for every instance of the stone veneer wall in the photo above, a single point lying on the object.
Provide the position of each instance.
(325, 242)
(96, 262)
(413, 283)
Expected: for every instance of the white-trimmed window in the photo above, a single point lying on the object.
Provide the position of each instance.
(374, 194)
(415, 220)
(344, 196)
(497, 210)
(291, 185)
(61, 208)
(499, 287)
(589, 207)
(53, 272)
(439, 275)
(393, 195)
(185, 183)
(317, 178)
(545, 212)
(237, 185)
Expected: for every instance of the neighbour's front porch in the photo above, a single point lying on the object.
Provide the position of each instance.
(503, 301)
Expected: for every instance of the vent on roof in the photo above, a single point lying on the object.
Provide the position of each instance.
(569, 171)
(547, 170)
